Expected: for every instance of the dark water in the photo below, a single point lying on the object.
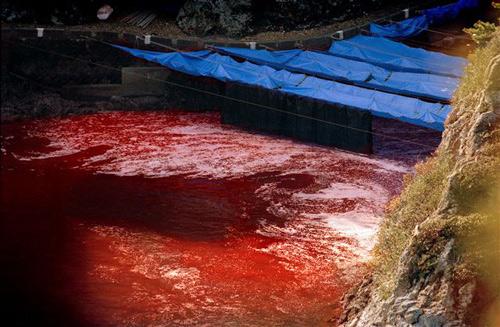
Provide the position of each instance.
(152, 219)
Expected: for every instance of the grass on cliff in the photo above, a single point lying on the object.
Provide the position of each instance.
(475, 79)
(420, 198)
(423, 192)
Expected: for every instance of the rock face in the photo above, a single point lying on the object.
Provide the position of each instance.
(238, 17)
(437, 293)
(430, 302)
(307, 13)
(227, 17)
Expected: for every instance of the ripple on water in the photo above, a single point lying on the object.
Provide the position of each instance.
(289, 222)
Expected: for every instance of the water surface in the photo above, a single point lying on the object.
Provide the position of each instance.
(172, 219)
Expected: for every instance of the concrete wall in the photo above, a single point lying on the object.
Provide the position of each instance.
(301, 118)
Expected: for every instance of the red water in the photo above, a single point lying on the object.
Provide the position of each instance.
(172, 219)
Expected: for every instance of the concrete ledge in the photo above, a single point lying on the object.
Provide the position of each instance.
(145, 79)
(136, 82)
(91, 92)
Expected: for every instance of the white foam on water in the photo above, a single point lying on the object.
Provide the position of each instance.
(180, 143)
(196, 145)
(347, 232)
(146, 255)
(361, 226)
(346, 191)
(326, 222)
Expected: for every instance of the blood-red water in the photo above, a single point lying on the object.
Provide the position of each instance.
(172, 219)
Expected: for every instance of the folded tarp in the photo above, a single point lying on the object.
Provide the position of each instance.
(445, 13)
(397, 56)
(312, 63)
(205, 63)
(400, 30)
(208, 64)
(277, 59)
(436, 87)
(381, 104)
(413, 26)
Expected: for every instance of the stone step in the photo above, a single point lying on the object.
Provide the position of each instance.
(136, 82)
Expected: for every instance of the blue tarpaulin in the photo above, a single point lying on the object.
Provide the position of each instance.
(309, 62)
(224, 68)
(429, 86)
(445, 13)
(208, 64)
(416, 25)
(381, 104)
(403, 29)
(397, 56)
(363, 74)
(276, 59)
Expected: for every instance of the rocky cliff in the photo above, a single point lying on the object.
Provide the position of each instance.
(438, 254)
(241, 17)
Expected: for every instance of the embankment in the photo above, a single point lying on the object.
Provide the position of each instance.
(438, 252)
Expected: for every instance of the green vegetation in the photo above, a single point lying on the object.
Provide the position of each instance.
(481, 32)
(475, 79)
(486, 35)
(420, 198)
(469, 185)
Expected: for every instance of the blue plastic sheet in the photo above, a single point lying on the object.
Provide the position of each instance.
(445, 13)
(403, 29)
(416, 25)
(397, 56)
(276, 59)
(312, 63)
(208, 64)
(435, 87)
(381, 104)
(335, 68)
(224, 68)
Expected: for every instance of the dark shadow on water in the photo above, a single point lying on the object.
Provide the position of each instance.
(194, 209)
(43, 204)
(36, 242)
(395, 140)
